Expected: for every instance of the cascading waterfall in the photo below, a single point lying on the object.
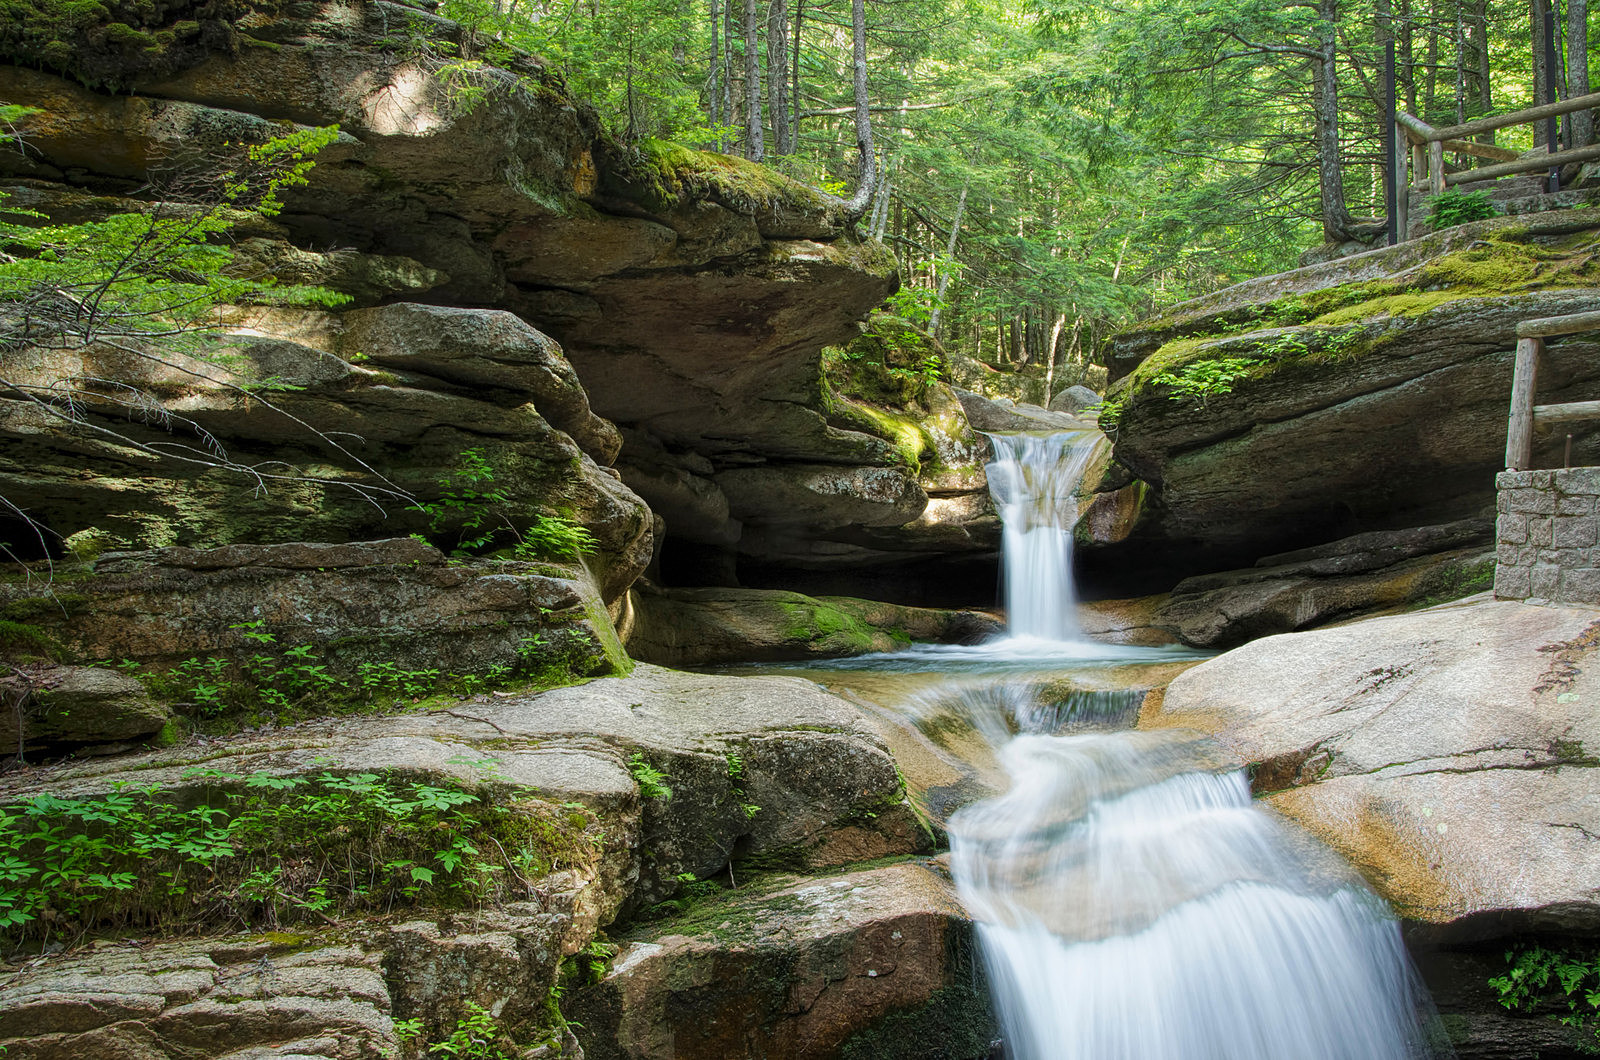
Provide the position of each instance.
(1032, 480)
(1132, 903)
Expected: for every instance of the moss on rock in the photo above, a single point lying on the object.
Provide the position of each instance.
(112, 43)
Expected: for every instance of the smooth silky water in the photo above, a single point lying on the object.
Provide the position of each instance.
(1132, 902)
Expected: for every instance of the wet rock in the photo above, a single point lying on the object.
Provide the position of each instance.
(1448, 754)
(986, 415)
(699, 627)
(879, 964)
(1227, 609)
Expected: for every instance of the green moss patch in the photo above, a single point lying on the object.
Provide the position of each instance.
(1331, 324)
(268, 850)
(112, 43)
(662, 174)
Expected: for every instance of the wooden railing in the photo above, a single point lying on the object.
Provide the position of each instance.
(1525, 415)
(1428, 146)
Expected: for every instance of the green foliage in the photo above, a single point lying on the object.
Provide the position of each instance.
(266, 849)
(476, 1037)
(269, 683)
(158, 273)
(1205, 378)
(478, 513)
(652, 781)
(1456, 207)
(1567, 980)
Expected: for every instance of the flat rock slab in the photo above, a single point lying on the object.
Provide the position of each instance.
(1449, 754)
(879, 963)
(236, 997)
(757, 765)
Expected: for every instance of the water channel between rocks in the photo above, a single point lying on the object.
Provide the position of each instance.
(1131, 900)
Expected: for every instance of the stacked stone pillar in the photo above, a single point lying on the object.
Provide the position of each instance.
(1549, 536)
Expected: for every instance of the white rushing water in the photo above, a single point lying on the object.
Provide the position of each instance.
(1133, 904)
(1033, 479)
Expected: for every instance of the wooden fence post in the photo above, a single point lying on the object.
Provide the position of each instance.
(1519, 431)
(1436, 165)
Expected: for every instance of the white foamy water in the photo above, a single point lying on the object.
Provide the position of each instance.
(1033, 479)
(1132, 902)
(1130, 906)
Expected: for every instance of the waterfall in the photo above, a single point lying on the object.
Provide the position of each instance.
(1132, 902)
(1033, 479)
(1133, 907)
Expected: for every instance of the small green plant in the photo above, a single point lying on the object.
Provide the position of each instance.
(1456, 207)
(478, 511)
(1110, 414)
(476, 1037)
(262, 849)
(652, 782)
(1204, 379)
(1567, 980)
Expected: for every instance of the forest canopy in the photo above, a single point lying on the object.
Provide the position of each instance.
(1049, 169)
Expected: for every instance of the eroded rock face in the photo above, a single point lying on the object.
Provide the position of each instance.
(395, 603)
(238, 997)
(700, 627)
(765, 768)
(1447, 754)
(1368, 393)
(345, 453)
(692, 292)
(878, 964)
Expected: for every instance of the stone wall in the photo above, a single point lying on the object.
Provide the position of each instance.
(1548, 533)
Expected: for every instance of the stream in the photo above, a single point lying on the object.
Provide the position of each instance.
(1132, 900)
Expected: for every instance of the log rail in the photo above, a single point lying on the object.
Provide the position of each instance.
(1430, 144)
(1526, 417)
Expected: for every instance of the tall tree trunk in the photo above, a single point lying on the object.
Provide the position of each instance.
(794, 86)
(1430, 78)
(1461, 66)
(945, 269)
(857, 202)
(777, 75)
(1336, 221)
(1541, 69)
(754, 148)
(1406, 59)
(1482, 94)
(1578, 69)
(713, 97)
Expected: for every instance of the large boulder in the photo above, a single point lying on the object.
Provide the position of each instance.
(396, 603)
(1347, 397)
(880, 963)
(332, 450)
(1445, 753)
(610, 796)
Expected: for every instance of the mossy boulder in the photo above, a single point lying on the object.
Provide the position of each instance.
(1361, 395)
(879, 963)
(698, 627)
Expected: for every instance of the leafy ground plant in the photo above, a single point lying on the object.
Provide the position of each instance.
(1456, 207)
(478, 512)
(1565, 981)
(261, 850)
